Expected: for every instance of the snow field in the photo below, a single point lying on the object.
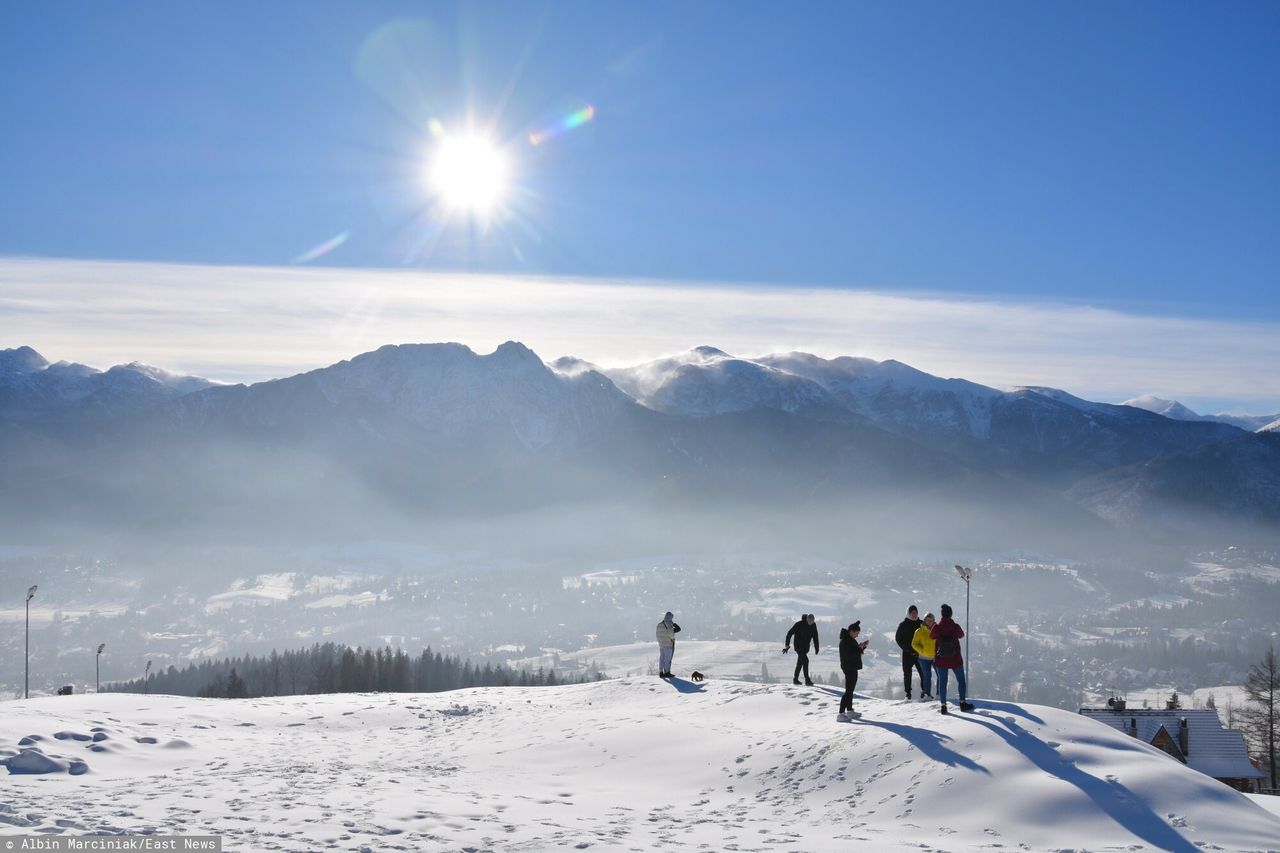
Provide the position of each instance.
(737, 659)
(629, 764)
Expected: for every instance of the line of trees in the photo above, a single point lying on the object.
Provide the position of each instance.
(333, 668)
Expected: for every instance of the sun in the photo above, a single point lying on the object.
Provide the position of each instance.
(469, 173)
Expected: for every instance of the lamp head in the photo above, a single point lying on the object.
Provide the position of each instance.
(101, 647)
(31, 593)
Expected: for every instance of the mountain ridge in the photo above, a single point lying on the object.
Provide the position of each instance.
(428, 431)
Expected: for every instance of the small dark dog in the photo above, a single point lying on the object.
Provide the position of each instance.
(697, 676)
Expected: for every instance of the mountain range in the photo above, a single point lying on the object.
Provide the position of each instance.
(700, 449)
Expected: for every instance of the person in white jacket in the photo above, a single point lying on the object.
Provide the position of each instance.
(667, 630)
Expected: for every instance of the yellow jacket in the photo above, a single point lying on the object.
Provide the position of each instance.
(923, 643)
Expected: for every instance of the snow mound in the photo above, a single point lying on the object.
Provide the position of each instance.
(630, 764)
(36, 762)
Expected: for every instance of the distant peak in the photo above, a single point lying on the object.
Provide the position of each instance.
(515, 351)
(571, 365)
(22, 360)
(702, 355)
(1161, 406)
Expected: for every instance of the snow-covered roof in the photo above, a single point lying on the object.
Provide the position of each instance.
(1211, 749)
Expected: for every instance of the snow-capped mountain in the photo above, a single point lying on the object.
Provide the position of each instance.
(445, 389)
(891, 392)
(420, 431)
(1045, 432)
(1168, 408)
(706, 381)
(31, 386)
(20, 361)
(1177, 411)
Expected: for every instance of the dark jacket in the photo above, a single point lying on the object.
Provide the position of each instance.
(906, 631)
(947, 629)
(850, 652)
(803, 632)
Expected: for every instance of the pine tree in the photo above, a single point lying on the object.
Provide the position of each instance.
(1262, 687)
(236, 688)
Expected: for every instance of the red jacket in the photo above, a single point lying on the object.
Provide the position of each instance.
(947, 628)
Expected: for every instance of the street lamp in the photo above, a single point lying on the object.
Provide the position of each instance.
(965, 574)
(146, 678)
(26, 675)
(97, 681)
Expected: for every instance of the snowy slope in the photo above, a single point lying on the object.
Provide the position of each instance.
(1161, 406)
(1177, 411)
(632, 764)
(29, 385)
(726, 659)
(1270, 802)
(446, 388)
(891, 392)
(706, 381)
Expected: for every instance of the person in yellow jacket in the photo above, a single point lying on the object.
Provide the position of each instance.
(924, 646)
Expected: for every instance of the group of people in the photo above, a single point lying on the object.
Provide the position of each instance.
(929, 646)
(932, 646)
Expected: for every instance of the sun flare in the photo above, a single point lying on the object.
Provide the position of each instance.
(469, 173)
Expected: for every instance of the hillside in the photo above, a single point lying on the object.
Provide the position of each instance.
(631, 764)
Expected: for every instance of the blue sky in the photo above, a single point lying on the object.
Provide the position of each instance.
(1039, 161)
(1124, 153)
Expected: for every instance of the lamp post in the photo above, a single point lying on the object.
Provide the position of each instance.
(26, 674)
(146, 679)
(965, 574)
(97, 680)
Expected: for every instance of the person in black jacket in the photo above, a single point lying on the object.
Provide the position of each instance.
(850, 662)
(910, 660)
(802, 632)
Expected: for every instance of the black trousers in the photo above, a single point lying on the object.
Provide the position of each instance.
(910, 660)
(850, 682)
(802, 663)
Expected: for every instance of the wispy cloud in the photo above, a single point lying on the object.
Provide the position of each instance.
(250, 323)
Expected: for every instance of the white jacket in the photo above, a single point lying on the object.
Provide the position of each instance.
(667, 633)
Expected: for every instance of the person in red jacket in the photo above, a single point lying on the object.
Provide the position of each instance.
(947, 657)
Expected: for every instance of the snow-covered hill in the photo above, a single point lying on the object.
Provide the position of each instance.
(717, 659)
(631, 764)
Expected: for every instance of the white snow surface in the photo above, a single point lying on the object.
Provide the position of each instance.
(630, 764)
(1270, 802)
(738, 659)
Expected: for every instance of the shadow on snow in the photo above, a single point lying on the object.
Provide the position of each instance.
(1113, 798)
(683, 685)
